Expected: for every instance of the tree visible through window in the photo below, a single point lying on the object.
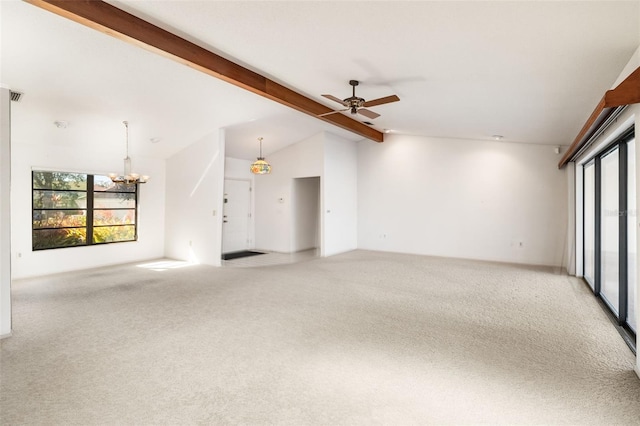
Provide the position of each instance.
(75, 209)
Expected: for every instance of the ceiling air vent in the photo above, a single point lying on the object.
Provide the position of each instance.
(16, 96)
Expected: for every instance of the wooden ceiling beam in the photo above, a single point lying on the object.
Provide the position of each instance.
(626, 93)
(115, 22)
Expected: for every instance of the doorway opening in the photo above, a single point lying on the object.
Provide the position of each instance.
(306, 226)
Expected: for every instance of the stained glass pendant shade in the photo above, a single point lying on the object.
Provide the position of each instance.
(260, 166)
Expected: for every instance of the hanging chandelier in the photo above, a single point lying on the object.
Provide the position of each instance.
(260, 166)
(127, 177)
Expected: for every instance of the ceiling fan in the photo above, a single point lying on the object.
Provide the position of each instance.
(358, 105)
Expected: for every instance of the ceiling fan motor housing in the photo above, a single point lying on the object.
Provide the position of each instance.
(354, 103)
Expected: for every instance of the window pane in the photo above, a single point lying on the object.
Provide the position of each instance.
(55, 238)
(59, 200)
(114, 217)
(59, 180)
(107, 234)
(59, 218)
(610, 230)
(114, 200)
(104, 183)
(632, 285)
(63, 201)
(589, 224)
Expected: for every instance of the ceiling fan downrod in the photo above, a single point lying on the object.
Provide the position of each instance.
(354, 101)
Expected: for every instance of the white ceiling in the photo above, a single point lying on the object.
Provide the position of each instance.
(529, 70)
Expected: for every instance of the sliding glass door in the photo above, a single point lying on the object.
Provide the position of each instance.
(609, 206)
(589, 223)
(609, 223)
(632, 268)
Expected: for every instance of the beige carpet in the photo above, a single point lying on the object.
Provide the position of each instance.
(356, 339)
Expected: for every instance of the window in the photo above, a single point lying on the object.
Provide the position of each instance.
(76, 209)
(609, 235)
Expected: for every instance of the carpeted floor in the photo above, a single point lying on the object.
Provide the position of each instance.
(356, 339)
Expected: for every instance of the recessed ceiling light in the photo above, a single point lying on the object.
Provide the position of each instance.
(388, 130)
(61, 124)
(155, 140)
(497, 137)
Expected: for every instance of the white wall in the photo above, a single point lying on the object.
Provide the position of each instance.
(195, 180)
(236, 168)
(632, 65)
(28, 155)
(324, 155)
(462, 198)
(340, 195)
(274, 192)
(5, 213)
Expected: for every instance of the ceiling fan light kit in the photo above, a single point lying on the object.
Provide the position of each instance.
(357, 105)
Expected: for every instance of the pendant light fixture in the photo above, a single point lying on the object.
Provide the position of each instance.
(127, 177)
(260, 166)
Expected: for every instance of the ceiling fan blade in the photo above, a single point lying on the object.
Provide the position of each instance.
(332, 112)
(333, 98)
(380, 101)
(368, 114)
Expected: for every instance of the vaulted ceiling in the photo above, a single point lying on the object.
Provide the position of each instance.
(531, 71)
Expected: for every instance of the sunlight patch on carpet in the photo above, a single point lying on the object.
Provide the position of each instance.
(164, 265)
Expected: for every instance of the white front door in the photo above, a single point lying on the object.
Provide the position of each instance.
(236, 215)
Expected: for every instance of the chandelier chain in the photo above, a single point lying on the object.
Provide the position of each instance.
(127, 176)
